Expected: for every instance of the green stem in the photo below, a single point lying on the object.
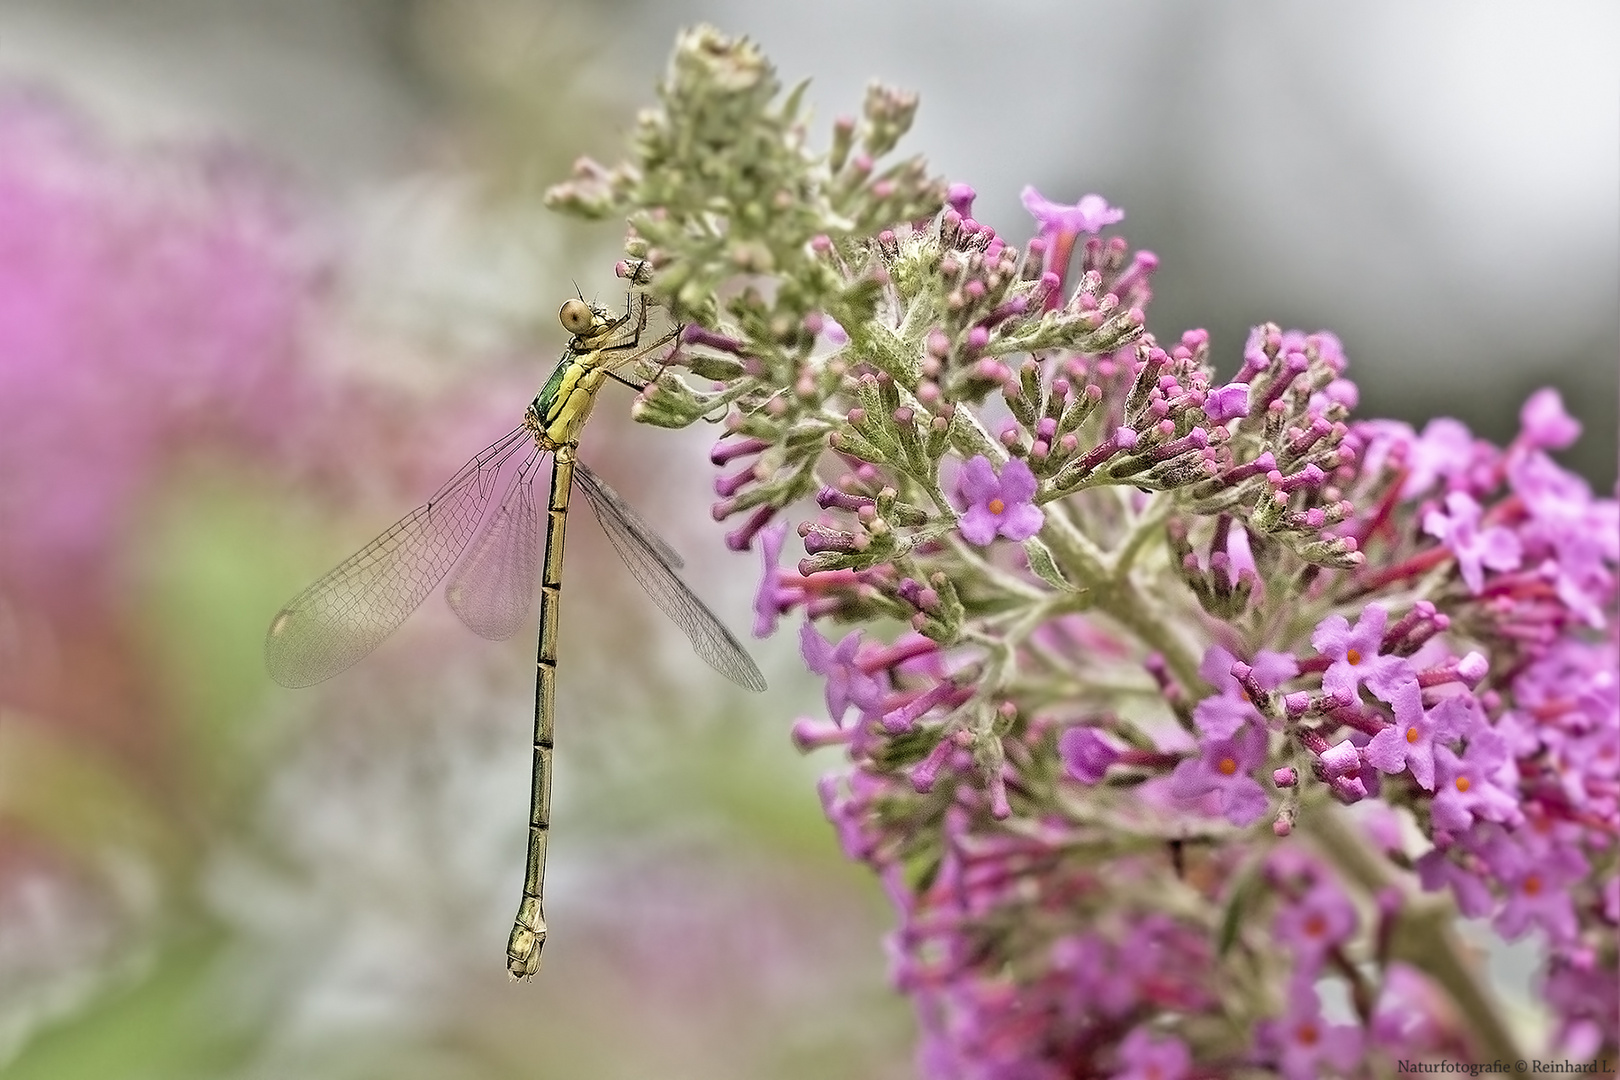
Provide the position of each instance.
(1148, 527)
(1114, 593)
(1423, 934)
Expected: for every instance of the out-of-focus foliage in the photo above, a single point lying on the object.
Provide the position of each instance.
(209, 392)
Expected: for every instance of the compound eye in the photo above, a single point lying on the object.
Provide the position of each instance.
(577, 317)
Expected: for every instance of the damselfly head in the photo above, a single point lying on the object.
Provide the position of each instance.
(577, 317)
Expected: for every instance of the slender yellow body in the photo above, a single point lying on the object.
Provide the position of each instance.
(529, 928)
(556, 417)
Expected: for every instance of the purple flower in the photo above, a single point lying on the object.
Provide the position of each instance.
(1475, 548)
(1224, 766)
(1001, 505)
(1341, 759)
(1355, 657)
(1586, 998)
(1410, 741)
(1227, 402)
(1436, 869)
(1220, 715)
(1092, 964)
(1408, 1017)
(1446, 450)
(1382, 445)
(1089, 215)
(1588, 765)
(847, 684)
(1303, 1044)
(1086, 756)
(1471, 786)
(1314, 924)
(771, 599)
(847, 817)
(1338, 392)
(1143, 1057)
(1545, 424)
(1538, 877)
(1060, 226)
(1580, 533)
(960, 197)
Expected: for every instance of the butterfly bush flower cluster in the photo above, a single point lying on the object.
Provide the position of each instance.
(1183, 714)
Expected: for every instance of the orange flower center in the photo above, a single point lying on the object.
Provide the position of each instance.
(997, 507)
(1315, 926)
(1532, 886)
(1307, 1034)
(1412, 735)
(1353, 657)
(1462, 783)
(1228, 766)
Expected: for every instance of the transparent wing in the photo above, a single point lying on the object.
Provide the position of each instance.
(642, 552)
(347, 613)
(609, 503)
(492, 586)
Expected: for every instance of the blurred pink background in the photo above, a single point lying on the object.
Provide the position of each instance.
(270, 272)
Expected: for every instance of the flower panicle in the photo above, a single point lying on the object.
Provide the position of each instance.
(1115, 629)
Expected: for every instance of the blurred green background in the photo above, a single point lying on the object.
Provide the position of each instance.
(276, 268)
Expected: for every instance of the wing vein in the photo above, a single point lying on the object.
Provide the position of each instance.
(353, 607)
(644, 554)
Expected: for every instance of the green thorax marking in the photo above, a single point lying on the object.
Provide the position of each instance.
(560, 410)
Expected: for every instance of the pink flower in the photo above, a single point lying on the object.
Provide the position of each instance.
(847, 684)
(1412, 1013)
(1355, 655)
(1226, 402)
(1446, 450)
(1474, 548)
(1318, 921)
(1220, 715)
(1060, 226)
(1472, 786)
(1089, 215)
(1225, 766)
(1579, 535)
(1086, 755)
(771, 599)
(1001, 505)
(1546, 425)
(1539, 874)
(1144, 1057)
(1436, 870)
(1303, 1044)
(1410, 741)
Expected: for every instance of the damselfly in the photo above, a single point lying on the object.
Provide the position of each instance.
(347, 613)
